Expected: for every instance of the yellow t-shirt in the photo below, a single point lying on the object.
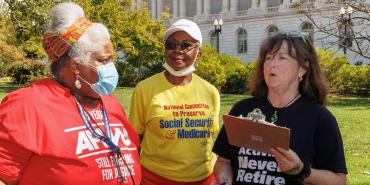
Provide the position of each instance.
(177, 123)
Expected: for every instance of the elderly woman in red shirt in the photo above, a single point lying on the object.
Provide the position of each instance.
(68, 129)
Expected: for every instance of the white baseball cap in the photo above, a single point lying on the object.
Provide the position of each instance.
(187, 26)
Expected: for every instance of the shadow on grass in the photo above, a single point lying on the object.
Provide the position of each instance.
(231, 99)
(345, 102)
(8, 88)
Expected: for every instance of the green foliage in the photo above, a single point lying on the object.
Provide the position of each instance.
(12, 60)
(330, 63)
(209, 67)
(352, 80)
(30, 20)
(24, 72)
(133, 30)
(229, 74)
(344, 78)
(237, 75)
(236, 82)
(130, 75)
(231, 63)
(9, 52)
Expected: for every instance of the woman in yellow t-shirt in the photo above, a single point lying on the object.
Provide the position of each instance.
(175, 113)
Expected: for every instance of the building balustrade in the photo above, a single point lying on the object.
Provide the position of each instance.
(272, 9)
(241, 13)
(205, 15)
(212, 17)
(309, 5)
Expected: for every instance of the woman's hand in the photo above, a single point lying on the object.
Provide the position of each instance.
(217, 183)
(221, 182)
(223, 172)
(287, 160)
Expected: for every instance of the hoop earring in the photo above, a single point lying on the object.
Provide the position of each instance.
(78, 84)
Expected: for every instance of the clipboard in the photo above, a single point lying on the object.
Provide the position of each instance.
(258, 136)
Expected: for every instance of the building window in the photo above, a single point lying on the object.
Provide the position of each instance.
(191, 8)
(242, 41)
(273, 3)
(216, 6)
(213, 39)
(308, 29)
(244, 5)
(272, 30)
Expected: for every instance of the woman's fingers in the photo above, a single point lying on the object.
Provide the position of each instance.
(287, 160)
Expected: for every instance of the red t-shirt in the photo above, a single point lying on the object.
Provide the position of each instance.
(43, 139)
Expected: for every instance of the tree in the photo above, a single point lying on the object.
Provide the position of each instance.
(133, 30)
(210, 68)
(9, 52)
(350, 29)
(30, 20)
(12, 60)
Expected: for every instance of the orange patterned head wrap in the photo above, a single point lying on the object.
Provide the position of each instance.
(56, 44)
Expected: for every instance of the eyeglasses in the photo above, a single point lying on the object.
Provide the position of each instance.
(280, 59)
(184, 45)
(297, 34)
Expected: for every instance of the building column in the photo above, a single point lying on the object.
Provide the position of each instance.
(207, 7)
(225, 6)
(153, 9)
(286, 2)
(159, 8)
(182, 8)
(199, 8)
(233, 6)
(175, 12)
(139, 4)
(254, 4)
(263, 4)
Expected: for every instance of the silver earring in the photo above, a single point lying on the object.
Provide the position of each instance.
(78, 84)
(300, 78)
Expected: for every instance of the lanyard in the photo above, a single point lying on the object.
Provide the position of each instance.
(105, 138)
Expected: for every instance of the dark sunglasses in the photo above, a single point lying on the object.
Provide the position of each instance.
(184, 45)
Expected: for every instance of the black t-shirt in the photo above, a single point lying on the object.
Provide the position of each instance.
(315, 137)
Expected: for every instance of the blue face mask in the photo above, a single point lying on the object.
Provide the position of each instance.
(108, 79)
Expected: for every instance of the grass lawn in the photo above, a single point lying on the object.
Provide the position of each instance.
(352, 114)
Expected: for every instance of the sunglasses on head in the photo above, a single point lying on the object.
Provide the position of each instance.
(297, 34)
(184, 45)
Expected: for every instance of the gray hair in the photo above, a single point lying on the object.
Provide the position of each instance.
(63, 16)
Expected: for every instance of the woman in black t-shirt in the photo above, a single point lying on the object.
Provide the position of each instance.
(290, 90)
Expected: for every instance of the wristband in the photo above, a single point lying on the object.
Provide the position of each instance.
(305, 172)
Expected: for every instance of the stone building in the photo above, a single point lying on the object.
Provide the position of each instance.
(247, 22)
